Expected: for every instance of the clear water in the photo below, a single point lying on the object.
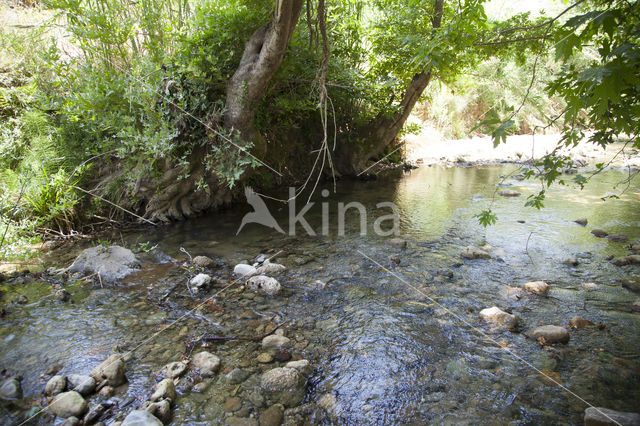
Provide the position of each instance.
(383, 352)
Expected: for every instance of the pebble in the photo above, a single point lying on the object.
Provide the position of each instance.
(202, 261)
(232, 404)
(579, 322)
(275, 343)
(599, 233)
(200, 280)
(398, 243)
(272, 416)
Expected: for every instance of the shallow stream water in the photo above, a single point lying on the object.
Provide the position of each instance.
(401, 343)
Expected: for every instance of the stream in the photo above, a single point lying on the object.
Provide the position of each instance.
(401, 343)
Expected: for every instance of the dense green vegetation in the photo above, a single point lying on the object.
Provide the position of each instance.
(131, 101)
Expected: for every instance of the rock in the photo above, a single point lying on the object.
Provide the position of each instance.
(68, 404)
(94, 414)
(474, 253)
(141, 418)
(618, 238)
(245, 270)
(498, 317)
(241, 421)
(269, 285)
(112, 369)
(270, 268)
(398, 243)
(275, 343)
(70, 421)
(550, 334)
(537, 287)
(272, 416)
(56, 385)
(599, 416)
(599, 233)
(330, 404)
(110, 263)
(236, 376)
(579, 322)
(200, 280)
(284, 385)
(634, 259)
(106, 391)
(632, 284)
(590, 286)
(84, 385)
(164, 390)
(571, 261)
(202, 261)
(620, 261)
(62, 295)
(232, 404)
(635, 247)
(264, 358)
(160, 409)
(582, 221)
(509, 193)
(206, 363)
(302, 365)
(11, 389)
(174, 369)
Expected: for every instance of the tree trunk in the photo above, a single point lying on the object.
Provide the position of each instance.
(263, 54)
(380, 133)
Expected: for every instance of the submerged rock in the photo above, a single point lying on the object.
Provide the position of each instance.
(618, 238)
(174, 369)
(397, 243)
(474, 253)
(550, 334)
(141, 418)
(498, 317)
(582, 221)
(10, 389)
(245, 270)
(112, 370)
(284, 385)
(110, 263)
(269, 285)
(272, 416)
(68, 404)
(599, 416)
(207, 363)
(275, 343)
(509, 193)
(579, 322)
(599, 233)
(537, 287)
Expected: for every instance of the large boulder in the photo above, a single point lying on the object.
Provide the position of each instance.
(68, 404)
(284, 385)
(269, 285)
(111, 370)
(498, 318)
(110, 263)
(141, 418)
(550, 334)
(598, 416)
(206, 363)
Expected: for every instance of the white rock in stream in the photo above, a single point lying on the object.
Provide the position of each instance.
(498, 317)
(269, 285)
(200, 280)
(537, 287)
(474, 253)
(550, 334)
(245, 270)
(284, 385)
(84, 385)
(112, 370)
(275, 343)
(164, 390)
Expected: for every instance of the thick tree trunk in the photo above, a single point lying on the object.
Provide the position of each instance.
(263, 55)
(379, 134)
